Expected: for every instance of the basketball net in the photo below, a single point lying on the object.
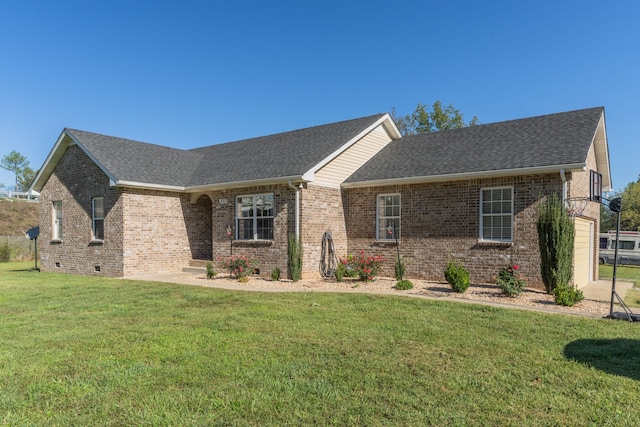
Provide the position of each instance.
(576, 206)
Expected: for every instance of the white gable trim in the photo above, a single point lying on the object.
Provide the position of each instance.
(65, 140)
(385, 120)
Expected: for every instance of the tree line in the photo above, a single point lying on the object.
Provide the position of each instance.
(629, 214)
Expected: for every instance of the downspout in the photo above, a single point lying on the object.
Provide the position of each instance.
(563, 177)
(297, 190)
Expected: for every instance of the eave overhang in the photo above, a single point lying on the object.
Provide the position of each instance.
(465, 176)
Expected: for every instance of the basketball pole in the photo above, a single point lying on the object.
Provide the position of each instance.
(617, 206)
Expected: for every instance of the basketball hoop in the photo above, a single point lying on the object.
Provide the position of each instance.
(577, 205)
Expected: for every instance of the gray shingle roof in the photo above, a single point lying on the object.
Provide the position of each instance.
(135, 161)
(280, 155)
(550, 140)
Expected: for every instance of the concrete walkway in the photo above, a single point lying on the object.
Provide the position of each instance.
(600, 290)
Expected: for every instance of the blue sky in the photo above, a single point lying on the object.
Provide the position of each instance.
(194, 73)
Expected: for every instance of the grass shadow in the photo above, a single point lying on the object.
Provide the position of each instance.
(617, 356)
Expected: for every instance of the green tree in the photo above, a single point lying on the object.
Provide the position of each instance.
(25, 177)
(607, 219)
(423, 121)
(556, 235)
(630, 213)
(14, 162)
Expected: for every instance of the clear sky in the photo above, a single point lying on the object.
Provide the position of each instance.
(193, 73)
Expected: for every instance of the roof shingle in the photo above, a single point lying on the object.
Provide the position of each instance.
(550, 140)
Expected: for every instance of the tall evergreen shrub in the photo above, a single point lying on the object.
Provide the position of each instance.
(556, 234)
(295, 258)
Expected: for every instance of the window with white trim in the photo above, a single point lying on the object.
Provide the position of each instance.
(56, 229)
(97, 218)
(254, 217)
(388, 217)
(496, 214)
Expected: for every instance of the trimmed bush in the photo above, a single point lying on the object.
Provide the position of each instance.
(400, 268)
(404, 285)
(510, 282)
(341, 269)
(556, 234)
(567, 295)
(457, 276)
(275, 274)
(295, 257)
(210, 271)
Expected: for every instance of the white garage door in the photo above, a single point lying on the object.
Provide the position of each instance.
(583, 252)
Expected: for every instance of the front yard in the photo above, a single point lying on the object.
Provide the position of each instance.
(93, 351)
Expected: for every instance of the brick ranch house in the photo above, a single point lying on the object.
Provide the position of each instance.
(116, 207)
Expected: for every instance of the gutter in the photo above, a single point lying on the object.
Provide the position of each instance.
(563, 177)
(297, 214)
(464, 176)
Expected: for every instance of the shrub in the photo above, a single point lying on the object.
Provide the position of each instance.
(363, 266)
(400, 268)
(5, 252)
(457, 276)
(567, 295)
(239, 267)
(340, 272)
(349, 266)
(210, 271)
(275, 274)
(404, 285)
(295, 257)
(556, 234)
(510, 282)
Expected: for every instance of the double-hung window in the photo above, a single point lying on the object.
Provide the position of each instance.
(496, 214)
(254, 217)
(97, 217)
(388, 217)
(56, 232)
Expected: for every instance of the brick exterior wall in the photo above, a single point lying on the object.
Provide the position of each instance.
(163, 230)
(148, 231)
(75, 180)
(267, 253)
(440, 221)
(145, 231)
(321, 210)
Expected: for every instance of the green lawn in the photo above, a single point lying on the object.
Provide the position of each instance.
(92, 351)
(627, 274)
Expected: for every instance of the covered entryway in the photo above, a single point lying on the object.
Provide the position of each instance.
(583, 252)
(199, 227)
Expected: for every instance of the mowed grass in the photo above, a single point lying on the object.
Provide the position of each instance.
(627, 273)
(95, 351)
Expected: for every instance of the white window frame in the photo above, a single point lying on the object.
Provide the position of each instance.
(56, 220)
(95, 218)
(254, 218)
(484, 216)
(383, 221)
